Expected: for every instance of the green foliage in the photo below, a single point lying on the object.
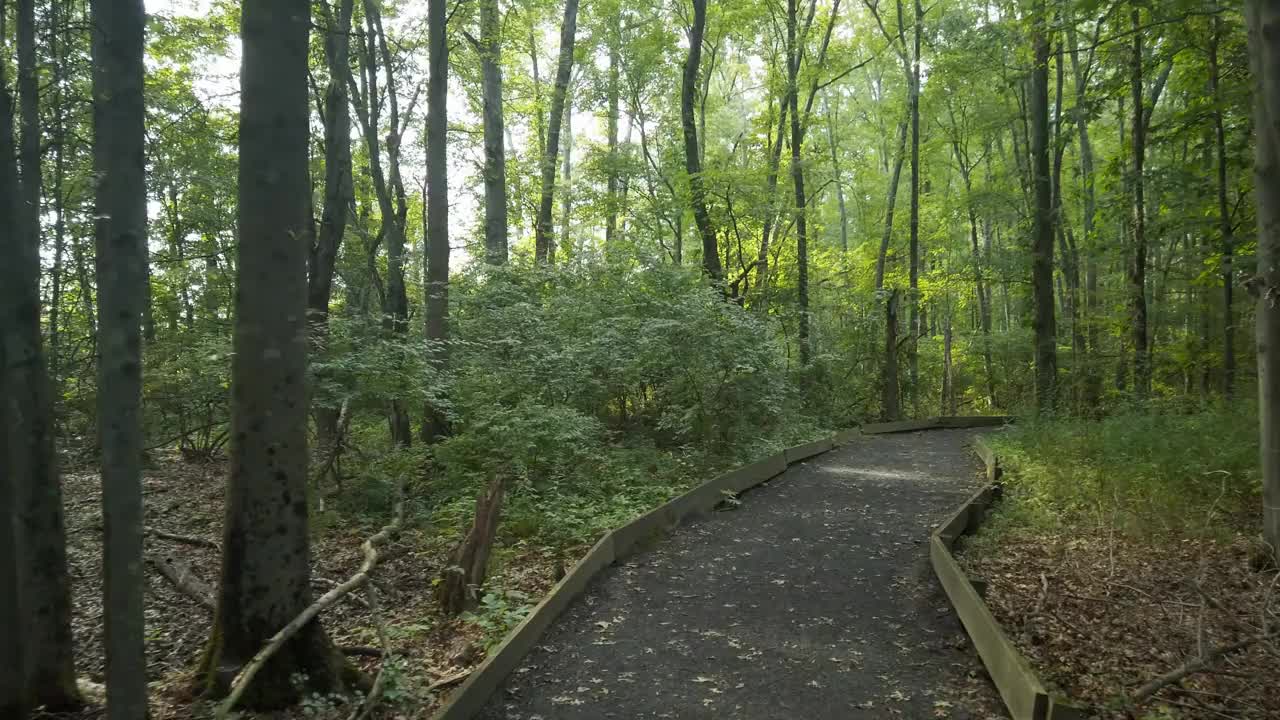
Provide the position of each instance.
(498, 613)
(1137, 471)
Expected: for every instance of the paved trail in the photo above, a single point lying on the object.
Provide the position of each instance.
(813, 600)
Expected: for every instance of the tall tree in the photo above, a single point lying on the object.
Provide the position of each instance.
(1263, 17)
(1046, 355)
(1138, 267)
(495, 157)
(266, 563)
(915, 320)
(1224, 214)
(32, 468)
(544, 242)
(120, 236)
(437, 230)
(692, 155)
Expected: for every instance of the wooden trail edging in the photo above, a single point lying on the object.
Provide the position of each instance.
(1019, 686)
(472, 695)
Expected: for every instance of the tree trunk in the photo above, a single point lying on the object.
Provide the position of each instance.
(891, 200)
(1224, 219)
(891, 405)
(469, 562)
(612, 92)
(120, 235)
(770, 220)
(692, 156)
(1046, 359)
(339, 192)
(544, 242)
(797, 181)
(495, 157)
(835, 171)
(435, 424)
(1263, 18)
(913, 355)
(266, 563)
(566, 186)
(1092, 384)
(948, 381)
(1138, 268)
(27, 410)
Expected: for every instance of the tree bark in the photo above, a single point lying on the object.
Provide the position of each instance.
(27, 410)
(835, 171)
(1046, 358)
(890, 201)
(612, 91)
(544, 242)
(692, 157)
(469, 562)
(120, 236)
(797, 181)
(1263, 17)
(434, 423)
(495, 157)
(1092, 384)
(1138, 267)
(266, 563)
(891, 404)
(1224, 219)
(339, 191)
(913, 354)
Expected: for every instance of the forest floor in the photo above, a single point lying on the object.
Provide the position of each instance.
(1099, 614)
(813, 599)
(186, 500)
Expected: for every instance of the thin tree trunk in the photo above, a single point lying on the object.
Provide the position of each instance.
(770, 220)
(1263, 19)
(1224, 219)
(1046, 360)
(1092, 390)
(692, 161)
(891, 200)
(1138, 268)
(566, 185)
(339, 192)
(544, 242)
(495, 157)
(913, 355)
(891, 404)
(835, 171)
(266, 564)
(612, 91)
(797, 181)
(120, 235)
(434, 423)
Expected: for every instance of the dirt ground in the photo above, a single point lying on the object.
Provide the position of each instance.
(1100, 615)
(812, 599)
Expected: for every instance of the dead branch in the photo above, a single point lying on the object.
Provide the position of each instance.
(1199, 664)
(185, 581)
(375, 693)
(355, 582)
(185, 539)
(448, 680)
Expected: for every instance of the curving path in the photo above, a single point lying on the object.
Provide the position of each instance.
(813, 600)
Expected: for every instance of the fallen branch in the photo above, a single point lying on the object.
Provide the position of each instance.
(448, 680)
(375, 692)
(355, 582)
(185, 539)
(1199, 664)
(185, 581)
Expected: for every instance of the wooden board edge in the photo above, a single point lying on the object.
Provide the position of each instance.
(804, 452)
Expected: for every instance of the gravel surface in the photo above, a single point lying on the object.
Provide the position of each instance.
(813, 599)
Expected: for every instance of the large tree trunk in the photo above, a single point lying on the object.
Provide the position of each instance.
(1263, 17)
(692, 155)
(434, 423)
(266, 563)
(1046, 358)
(469, 562)
(544, 242)
(339, 191)
(26, 409)
(495, 157)
(120, 236)
(1224, 219)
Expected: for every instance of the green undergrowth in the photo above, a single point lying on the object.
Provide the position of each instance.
(1142, 474)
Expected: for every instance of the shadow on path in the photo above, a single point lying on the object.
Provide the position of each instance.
(813, 600)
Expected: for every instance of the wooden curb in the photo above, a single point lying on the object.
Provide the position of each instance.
(1021, 689)
(471, 697)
